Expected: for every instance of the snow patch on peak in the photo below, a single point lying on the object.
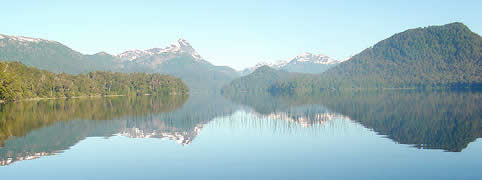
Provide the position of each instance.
(24, 39)
(183, 43)
(305, 60)
(133, 54)
(346, 59)
(276, 65)
(185, 47)
(279, 64)
(313, 58)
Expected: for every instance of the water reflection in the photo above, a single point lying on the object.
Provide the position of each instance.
(183, 124)
(429, 120)
(32, 129)
(292, 109)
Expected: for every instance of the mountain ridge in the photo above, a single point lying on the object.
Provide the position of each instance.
(302, 63)
(180, 60)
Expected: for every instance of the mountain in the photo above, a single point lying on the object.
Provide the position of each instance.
(303, 63)
(48, 55)
(447, 56)
(310, 63)
(180, 60)
(438, 55)
(156, 56)
(275, 65)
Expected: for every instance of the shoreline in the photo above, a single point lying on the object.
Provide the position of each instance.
(75, 97)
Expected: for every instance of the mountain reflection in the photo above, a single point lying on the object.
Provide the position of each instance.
(32, 129)
(183, 124)
(292, 109)
(428, 120)
(29, 130)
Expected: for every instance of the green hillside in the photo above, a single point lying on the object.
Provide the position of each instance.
(49, 55)
(447, 56)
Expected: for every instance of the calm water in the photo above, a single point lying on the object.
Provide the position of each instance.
(350, 135)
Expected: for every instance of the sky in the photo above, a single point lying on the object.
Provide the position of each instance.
(233, 33)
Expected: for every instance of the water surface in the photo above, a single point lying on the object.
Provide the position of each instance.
(350, 135)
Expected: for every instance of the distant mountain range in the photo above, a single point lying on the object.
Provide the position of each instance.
(303, 63)
(180, 60)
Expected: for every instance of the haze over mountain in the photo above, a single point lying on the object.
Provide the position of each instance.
(303, 63)
(180, 60)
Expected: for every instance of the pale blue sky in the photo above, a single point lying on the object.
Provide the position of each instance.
(234, 33)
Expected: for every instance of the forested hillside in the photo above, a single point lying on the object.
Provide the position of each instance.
(446, 56)
(18, 81)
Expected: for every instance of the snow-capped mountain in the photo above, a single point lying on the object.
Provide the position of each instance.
(24, 39)
(163, 54)
(313, 58)
(133, 54)
(276, 65)
(303, 63)
(180, 60)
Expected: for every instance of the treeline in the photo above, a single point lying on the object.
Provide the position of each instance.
(18, 81)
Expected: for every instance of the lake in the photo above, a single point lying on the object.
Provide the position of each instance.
(341, 135)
